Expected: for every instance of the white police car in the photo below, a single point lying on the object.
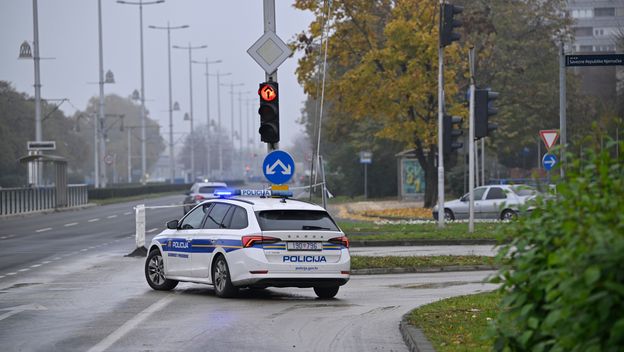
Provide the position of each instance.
(236, 242)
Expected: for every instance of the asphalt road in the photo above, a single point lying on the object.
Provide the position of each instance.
(70, 288)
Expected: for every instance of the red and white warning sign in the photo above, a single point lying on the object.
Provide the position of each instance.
(549, 137)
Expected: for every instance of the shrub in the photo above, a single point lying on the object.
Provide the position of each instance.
(564, 285)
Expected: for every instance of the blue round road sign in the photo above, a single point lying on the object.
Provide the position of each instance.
(278, 167)
(549, 161)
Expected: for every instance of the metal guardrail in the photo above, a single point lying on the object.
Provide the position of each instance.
(27, 200)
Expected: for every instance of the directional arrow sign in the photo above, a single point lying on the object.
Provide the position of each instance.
(278, 167)
(549, 137)
(549, 161)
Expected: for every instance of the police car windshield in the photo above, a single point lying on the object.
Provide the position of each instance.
(289, 220)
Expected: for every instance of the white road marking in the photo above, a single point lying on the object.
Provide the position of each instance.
(1, 276)
(46, 262)
(131, 324)
(44, 229)
(35, 266)
(91, 247)
(93, 220)
(22, 270)
(152, 230)
(57, 258)
(84, 250)
(11, 274)
(111, 216)
(128, 213)
(71, 224)
(3, 238)
(19, 309)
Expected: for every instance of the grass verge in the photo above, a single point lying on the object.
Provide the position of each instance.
(368, 262)
(137, 197)
(372, 231)
(458, 323)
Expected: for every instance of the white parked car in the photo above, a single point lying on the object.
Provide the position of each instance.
(199, 192)
(491, 202)
(239, 242)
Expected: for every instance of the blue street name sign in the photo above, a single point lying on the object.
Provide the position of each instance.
(278, 167)
(549, 161)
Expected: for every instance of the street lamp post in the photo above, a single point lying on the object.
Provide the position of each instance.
(109, 78)
(171, 151)
(207, 63)
(232, 85)
(34, 167)
(190, 53)
(240, 120)
(220, 147)
(143, 134)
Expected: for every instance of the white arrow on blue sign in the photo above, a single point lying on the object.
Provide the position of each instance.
(549, 161)
(278, 167)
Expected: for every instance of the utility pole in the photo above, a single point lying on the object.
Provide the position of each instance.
(190, 49)
(168, 28)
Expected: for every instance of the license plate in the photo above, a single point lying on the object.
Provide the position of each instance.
(304, 246)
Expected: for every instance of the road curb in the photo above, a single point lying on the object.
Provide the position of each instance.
(413, 337)
(422, 242)
(426, 269)
(49, 211)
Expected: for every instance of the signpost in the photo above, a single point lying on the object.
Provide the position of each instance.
(594, 60)
(366, 158)
(549, 161)
(269, 52)
(41, 145)
(278, 167)
(549, 137)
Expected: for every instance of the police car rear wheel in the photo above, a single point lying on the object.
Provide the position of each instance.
(326, 292)
(155, 273)
(221, 278)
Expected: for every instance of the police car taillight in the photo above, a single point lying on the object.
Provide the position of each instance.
(250, 241)
(340, 240)
(199, 197)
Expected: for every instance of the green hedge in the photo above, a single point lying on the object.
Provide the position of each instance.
(115, 192)
(564, 287)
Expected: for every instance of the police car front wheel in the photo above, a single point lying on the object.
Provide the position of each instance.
(221, 278)
(326, 292)
(155, 273)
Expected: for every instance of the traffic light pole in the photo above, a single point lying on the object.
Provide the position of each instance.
(440, 132)
(471, 143)
(269, 26)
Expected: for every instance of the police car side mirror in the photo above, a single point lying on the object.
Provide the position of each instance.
(172, 225)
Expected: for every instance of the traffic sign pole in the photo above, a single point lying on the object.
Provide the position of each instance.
(269, 26)
(562, 105)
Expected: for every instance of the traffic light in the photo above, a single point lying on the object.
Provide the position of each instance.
(483, 110)
(269, 112)
(447, 24)
(451, 135)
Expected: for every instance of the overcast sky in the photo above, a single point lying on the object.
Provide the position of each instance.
(68, 32)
